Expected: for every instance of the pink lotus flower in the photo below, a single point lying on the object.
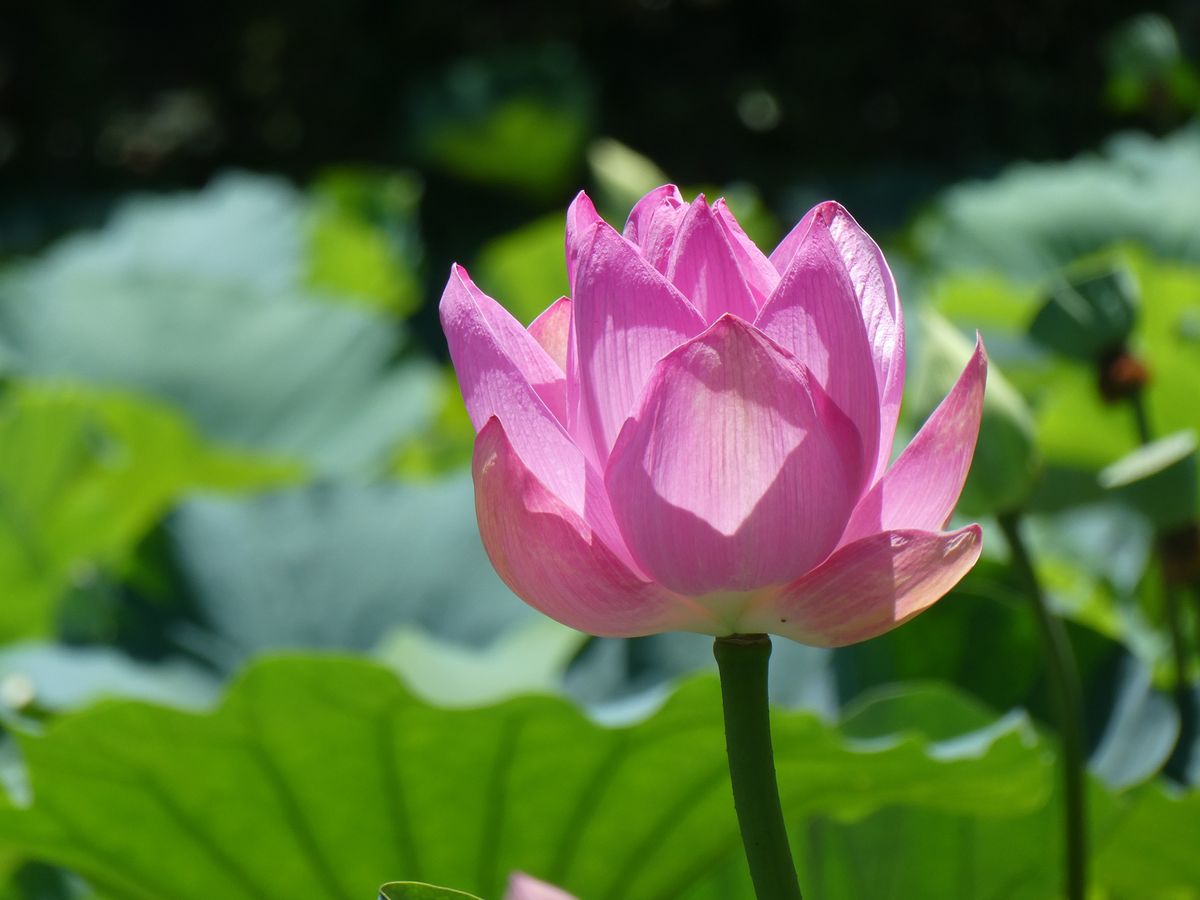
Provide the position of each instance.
(524, 887)
(698, 438)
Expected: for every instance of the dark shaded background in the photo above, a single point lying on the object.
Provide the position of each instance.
(102, 97)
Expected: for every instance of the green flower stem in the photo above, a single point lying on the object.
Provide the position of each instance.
(1196, 618)
(1179, 653)
(1067, 697)
(1141, 418)
(1174, 613)
(742, 660)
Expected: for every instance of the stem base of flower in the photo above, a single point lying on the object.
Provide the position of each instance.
(742, 660)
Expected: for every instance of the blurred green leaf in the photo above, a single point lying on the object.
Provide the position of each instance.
(351, 258)
(1006, 462)
(315, 775)
(363, 238)
(200, 301)
(933, 709)
(241, 229)
(621, 176)
(302, 379)
(56, 677)
(1149, 850)
(1142, 849)
(517, 120)
(1088, 315)
(1076, 429)
(1091, 560)
(337, 566)
(987, 301)
(1147, 70)
(618, 679)
(35, 881)
(979, 638)
(1145, 45)
(898, 854)
(1036, 218)
(529, 658)
(747, 205)
(526, 269)
(446, 443)
(83, 476)
(1159, 480)
(1141, 731)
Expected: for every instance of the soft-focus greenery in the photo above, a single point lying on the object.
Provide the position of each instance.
(252, 647)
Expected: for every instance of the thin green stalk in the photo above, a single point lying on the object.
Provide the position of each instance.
(1067, 698)
(1179, 653)
(1174, 611)
(1196, 618)
(1177, 763)
(742, 660)
(1141, 417)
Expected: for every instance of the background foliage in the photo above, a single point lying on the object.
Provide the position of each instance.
(250, 645)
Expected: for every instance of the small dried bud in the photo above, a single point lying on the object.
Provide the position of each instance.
(1121, 375)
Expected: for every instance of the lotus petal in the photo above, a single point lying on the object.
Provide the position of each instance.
(736, 470)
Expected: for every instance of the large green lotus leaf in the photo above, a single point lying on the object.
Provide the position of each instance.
(83, 475)
(203, 301)
(320, 777)
(931, 708)
(337, 565)
(899, 854)
(1149, 848)
(261, 233)
(1142, 843)
(351, 258)
(295, 377)
(1035, 218)
(243, 229)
